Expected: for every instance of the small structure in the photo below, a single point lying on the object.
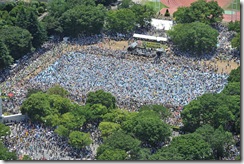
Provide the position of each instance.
(150, 38)
(161, 24)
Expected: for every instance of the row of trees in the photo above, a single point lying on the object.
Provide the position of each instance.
(194, 33)
(73, 18)
(20, 30)
(144, 129)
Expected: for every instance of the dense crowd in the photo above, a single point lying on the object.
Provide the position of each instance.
(82, 72)
(85, 65)
(174, 80)
(42, 143)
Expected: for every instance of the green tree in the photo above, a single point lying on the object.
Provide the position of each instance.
(235, 26)
(5, 58)
(5, 154)
(107, 128)
(236, 41)
(21, 15)
(7, 6)
(97, 112)
(195, 37)
(4, 130)
(26, 18)
(192, 147)
(233, 88)
(52, 120)
(235, 75)
(213, 109)
(52, 25)
(72, 3)
(62, 105)
(101, 97)
(113, 155)
(125, 4)
(37, 30)
(6, 19)
(120, 140)
(71, 121)
(37, 107)
(117, 116)
(83, 20)
(182, 15)
(79, 139)
(161, 110)
(143, 14)
(148, 127)
(144, 154)
(17, 40)
(62, 131)
(121, 21)
(202, 11)
(57, 7)
(218, 139)
(167, 154)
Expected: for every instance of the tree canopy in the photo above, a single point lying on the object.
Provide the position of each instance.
(161, 110)
(113, 155)
(235, 75)
(17, 40)
(195, 37)
(148, 127)
(192, 147)
(83, 20)
(79, 139)
(213, 109)
(5, 154)
(101, 97)
(201, 11)
(107, 128)
(44, 107)
(218, 139)
(5, 58)
(120, 21)
(120, 141)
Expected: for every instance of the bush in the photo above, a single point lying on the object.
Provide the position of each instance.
(40, 10)
(101, 97)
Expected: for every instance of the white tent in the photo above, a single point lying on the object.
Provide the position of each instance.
(148, 37)
(162, 24)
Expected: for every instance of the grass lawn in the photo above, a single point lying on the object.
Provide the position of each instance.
(157, 6)
(236, 5)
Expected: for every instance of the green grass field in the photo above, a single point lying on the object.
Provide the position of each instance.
(235, 5)
(157, 6)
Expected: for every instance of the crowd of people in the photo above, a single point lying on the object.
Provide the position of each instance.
(82, 72)
(177, 79)
(42, 143)
(85, 65)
